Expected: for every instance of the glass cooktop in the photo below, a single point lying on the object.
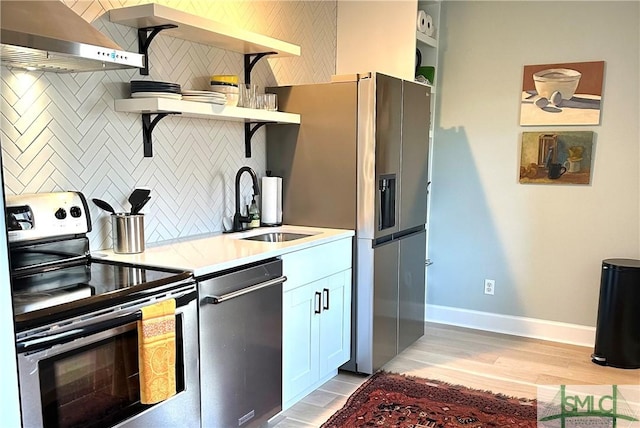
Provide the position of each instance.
(54, 280)
(82, 287)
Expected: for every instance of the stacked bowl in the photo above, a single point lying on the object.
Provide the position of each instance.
(226, 84)
(155, 89)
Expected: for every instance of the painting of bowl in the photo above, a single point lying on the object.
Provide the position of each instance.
(563, 80)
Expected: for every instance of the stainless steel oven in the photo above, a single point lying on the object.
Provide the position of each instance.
(77, 324)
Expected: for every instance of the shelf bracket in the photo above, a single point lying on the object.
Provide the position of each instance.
(250, 61)
(249, 131)
(147, 131)
(144, 41)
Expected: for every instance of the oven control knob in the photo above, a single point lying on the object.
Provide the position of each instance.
(61, 214)
(75, 212)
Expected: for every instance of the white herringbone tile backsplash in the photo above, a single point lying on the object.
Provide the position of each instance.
(60, 131)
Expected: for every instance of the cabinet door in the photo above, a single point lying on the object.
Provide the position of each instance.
(300, 340)
(335, 323)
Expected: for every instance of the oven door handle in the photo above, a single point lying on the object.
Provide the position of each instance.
(49, 340)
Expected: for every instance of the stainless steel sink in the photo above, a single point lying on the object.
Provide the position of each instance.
(276, 237)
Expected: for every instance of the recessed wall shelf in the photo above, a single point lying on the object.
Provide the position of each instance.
(427, 40)
(151, 18)
(160, 106)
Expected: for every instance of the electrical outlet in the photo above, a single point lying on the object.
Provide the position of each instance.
(489, 286)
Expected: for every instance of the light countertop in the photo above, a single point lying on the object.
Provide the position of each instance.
(205, 254)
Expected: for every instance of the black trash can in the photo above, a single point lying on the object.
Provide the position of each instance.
(618, 326)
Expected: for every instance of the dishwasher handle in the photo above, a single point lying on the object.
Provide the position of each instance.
(214, 300)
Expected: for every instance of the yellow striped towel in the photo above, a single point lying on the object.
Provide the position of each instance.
(157, 352)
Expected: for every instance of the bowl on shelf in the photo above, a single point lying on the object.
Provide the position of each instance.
(562, 80)
(230, 91)
(225, 78)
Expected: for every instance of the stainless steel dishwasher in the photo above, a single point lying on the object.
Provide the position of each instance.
(241, 345)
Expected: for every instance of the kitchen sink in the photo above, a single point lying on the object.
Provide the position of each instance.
(276, 237)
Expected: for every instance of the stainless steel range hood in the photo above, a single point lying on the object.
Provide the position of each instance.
(49, 36)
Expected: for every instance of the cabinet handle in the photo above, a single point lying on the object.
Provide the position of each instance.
(318, 307)
(326, 303)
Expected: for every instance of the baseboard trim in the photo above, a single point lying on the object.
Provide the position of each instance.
(554, 331)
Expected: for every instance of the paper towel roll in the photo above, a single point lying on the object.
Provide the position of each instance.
(422, 21)
(271, 197)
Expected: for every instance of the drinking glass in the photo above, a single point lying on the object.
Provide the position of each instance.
(270, 102)
(248, 95)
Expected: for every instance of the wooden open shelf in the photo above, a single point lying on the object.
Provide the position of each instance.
(203, 110)
(201, 30)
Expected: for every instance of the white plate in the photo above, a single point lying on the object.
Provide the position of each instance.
(156, 95)
(210, 100)
(203, 93)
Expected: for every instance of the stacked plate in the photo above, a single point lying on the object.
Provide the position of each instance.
(155, 89)
(204, 97)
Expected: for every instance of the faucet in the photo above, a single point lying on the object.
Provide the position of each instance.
(238, 218)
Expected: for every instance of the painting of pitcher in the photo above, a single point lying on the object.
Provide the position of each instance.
(557, 157)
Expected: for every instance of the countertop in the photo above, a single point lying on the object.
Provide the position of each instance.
(205, 254)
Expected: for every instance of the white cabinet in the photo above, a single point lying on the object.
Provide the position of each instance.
(376, 35)
(316, 317)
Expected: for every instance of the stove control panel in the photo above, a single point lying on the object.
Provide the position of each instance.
(46, 215)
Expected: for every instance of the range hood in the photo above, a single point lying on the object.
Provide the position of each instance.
(49, 36)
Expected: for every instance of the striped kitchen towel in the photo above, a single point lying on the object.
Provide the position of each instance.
(157, 351)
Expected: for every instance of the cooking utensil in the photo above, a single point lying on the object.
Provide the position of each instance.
(138, 208)
(137, 197)
(104, 205)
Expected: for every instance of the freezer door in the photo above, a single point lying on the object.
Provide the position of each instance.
(385, 304)
(388, 139)
(415, 153)
(411, 293)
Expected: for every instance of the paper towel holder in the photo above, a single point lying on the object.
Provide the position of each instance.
(271, 201)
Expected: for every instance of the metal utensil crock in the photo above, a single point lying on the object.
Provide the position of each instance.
(128, 233)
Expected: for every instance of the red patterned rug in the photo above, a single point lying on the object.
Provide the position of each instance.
(396, 401)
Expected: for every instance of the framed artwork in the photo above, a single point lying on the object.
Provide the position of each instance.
(556, 157)
(562, 94)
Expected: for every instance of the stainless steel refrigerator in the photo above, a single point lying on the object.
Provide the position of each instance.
(358, 160)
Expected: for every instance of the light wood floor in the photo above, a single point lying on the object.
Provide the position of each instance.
(510, 365)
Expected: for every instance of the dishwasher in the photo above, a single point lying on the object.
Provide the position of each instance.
(241, 345)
